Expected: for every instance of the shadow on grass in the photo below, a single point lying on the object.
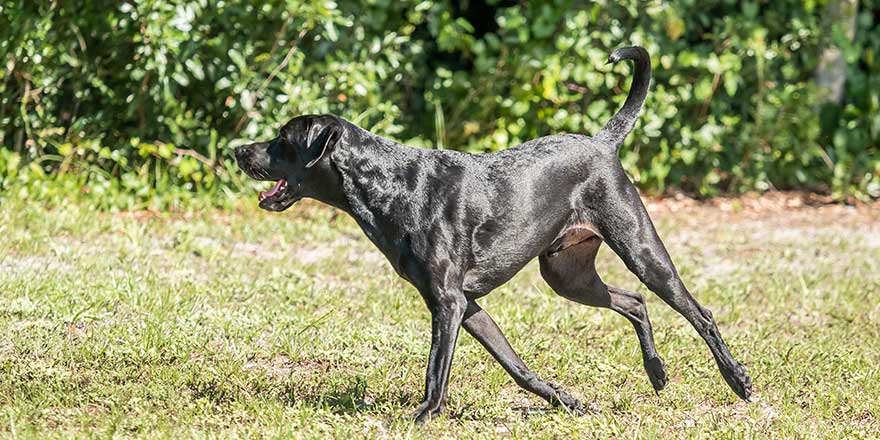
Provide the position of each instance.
(349, 397)
(340, 394)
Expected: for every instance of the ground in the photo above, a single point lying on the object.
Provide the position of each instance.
(248, 324)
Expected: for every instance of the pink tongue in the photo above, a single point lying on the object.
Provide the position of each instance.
(273, 191)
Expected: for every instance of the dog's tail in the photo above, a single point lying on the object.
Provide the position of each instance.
(619, 126)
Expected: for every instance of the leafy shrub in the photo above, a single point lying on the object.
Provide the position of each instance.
(138, 103)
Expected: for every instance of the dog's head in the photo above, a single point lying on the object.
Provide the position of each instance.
(290, 158)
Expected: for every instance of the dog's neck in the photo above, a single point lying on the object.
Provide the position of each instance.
(368, 190)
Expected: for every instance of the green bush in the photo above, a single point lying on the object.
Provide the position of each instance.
(138, 103)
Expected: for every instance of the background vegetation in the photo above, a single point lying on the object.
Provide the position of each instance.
(138, 103)
(240, 323)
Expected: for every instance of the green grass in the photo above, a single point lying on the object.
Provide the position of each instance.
(251, 324)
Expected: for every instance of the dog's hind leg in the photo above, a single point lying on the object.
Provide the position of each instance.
(483, 328)
(572, 274)
(628, 230)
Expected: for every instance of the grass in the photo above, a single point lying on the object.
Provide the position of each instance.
(250, 324)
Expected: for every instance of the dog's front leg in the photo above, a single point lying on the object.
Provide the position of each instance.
(447, 312)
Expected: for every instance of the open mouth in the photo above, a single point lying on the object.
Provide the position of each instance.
(279, 188)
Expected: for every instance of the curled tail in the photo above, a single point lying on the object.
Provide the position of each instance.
(622, 123)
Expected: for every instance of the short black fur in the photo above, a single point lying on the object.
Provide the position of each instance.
(458, 225)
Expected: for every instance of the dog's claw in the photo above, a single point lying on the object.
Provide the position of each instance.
(420, 418)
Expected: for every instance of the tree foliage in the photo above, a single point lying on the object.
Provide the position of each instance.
(137, 99)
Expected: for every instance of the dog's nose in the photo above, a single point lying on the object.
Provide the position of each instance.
(241, 151)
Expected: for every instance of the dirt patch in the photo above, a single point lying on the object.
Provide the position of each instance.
(781, 208)
(22, 265)
(278, 367)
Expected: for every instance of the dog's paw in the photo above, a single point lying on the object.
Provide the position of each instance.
(739, 380)
(561, 397)
(427, 411)
(656, 370)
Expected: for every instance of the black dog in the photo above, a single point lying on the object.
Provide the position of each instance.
(458, 225)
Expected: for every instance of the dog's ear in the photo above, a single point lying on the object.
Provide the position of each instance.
(324, 132)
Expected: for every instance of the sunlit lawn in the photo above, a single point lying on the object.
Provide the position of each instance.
(254, 324)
